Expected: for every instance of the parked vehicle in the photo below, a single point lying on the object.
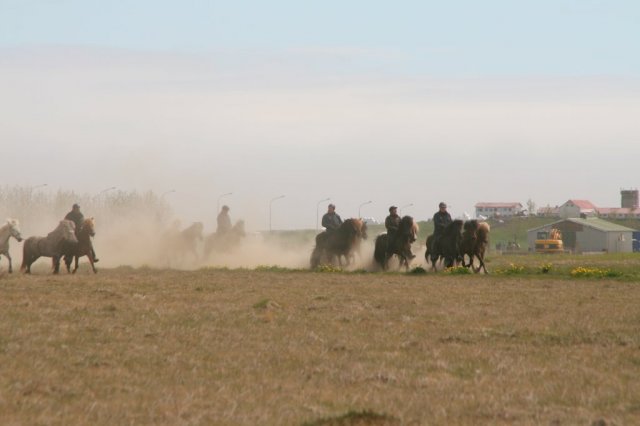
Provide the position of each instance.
(549, 242)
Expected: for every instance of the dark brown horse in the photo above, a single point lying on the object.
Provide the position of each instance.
(344, 241)
(447, 246)
(83, 247)
(475, 240)
(400, 245)
(49, 246)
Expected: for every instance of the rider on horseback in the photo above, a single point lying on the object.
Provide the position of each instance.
(331, 220)
(76, 216)
(224, 221)
(440, 221)
(392, 223)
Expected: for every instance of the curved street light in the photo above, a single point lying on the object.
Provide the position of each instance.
(317, 213)
(105, 190)
(220, 198)
(270, 203)
(363, 204)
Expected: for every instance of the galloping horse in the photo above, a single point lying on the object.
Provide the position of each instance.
(179, 244)
(400, 246)
(49, 246)
(83, 247)
(448, 246)
(10, 229)
(344, 241)
(475, 239)
(225, 242)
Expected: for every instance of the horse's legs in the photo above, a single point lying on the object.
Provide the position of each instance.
(56, 264)
(75, 264)
(9, 259)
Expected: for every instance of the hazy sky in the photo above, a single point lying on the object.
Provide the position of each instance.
(400, 103)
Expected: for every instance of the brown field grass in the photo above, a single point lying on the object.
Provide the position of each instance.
(140, 346)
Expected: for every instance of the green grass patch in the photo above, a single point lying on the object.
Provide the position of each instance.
(353, 418)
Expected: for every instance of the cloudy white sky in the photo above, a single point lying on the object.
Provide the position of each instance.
(398, 103)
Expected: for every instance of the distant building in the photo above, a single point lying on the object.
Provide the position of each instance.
(618, 213)
(588, 235)
(577, 208)
(498, 209)
(629, 199)
(548, 211)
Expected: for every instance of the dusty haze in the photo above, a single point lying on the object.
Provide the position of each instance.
(85, 119)
(140, 229)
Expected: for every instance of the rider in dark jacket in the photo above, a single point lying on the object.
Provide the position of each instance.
(441, 219)
(392, 223)
(224, 221)
(331, 220)
(76, 216)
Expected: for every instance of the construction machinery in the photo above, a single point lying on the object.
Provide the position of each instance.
(549, 241)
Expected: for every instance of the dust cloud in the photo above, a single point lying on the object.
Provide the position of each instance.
(141, 230)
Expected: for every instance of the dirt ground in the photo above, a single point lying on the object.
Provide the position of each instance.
(246, 347)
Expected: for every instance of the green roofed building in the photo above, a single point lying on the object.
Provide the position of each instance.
(588, 235)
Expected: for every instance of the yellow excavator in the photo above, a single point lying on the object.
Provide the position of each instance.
(549, 241)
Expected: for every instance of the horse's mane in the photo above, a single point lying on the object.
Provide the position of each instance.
(471, 225)
(60, 228)
(454, 227)
(483, 230)
(408, 225)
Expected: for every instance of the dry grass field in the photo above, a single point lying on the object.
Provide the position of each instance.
(247, 347)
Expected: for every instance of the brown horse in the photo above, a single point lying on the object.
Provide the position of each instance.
(83, 247)
(181, 245)
(49, 246)
(225, 242)
(475, 239)
(344, 241)
(400, 246)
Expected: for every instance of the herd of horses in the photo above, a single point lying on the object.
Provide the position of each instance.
(61, 243)
(461, 243)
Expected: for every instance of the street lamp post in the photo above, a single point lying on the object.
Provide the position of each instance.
(105, 190)
(317, 213)
(406, 205)
(363, 204)
(166, 192)
(219, 198)
(270, 203)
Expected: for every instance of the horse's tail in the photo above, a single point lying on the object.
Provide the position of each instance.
(380, 252)
(26, 255)
(427, 254)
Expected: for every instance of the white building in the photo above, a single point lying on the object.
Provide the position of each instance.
(498, 209)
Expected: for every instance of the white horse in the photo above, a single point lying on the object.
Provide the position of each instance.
(10, 229)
